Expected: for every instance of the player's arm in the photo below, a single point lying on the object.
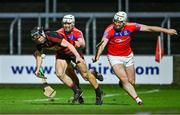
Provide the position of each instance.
(157, 29)
(80, 41)
(38, 58)
(99, 49)
(65, 43)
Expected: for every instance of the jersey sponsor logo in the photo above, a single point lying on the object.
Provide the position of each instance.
(72, 37)
(122, 33)
(121, 36)
(120, 39)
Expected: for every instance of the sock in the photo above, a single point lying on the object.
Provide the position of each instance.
(45, 84)
(98, 92)
(79, 87)
(120, 84)
(77, 84)
(74, 88)
(137, 99)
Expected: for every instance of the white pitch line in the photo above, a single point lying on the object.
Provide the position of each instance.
(105, 96)
(143, 92)
(150, 91)
(42, 100)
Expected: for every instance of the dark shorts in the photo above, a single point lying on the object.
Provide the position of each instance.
(68, 57)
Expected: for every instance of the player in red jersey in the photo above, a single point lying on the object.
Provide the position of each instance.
(53, 41)
(75, 37)
(117, 37)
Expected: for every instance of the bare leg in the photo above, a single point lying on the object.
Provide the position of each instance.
(61, 66)
(85, 73)
(131, 74)
(120, 72)
(71, 73)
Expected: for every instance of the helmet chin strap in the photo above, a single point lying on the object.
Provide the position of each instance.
(118, 29)
(69, 31)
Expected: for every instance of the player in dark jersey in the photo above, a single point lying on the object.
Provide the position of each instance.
(52, 41)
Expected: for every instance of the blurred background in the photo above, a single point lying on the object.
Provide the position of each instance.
(17, 18)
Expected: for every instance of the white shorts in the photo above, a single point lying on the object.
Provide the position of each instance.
(126, 60)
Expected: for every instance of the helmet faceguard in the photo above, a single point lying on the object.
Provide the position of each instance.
(68, 19)
(36, 32)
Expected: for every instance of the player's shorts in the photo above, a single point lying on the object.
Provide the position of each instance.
(69, 56)
(125, 60)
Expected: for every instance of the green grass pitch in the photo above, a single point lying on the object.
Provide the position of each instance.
(30, 99)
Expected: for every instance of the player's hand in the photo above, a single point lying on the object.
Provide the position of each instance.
(172, 32)
(40, 73)
(79, 60)
(37, 73)
(95, 59)
(77, 44)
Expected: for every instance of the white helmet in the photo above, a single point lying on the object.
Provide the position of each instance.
(68, 19)
(120, 16)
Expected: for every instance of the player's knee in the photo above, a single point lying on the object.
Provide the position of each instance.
(60, 75)
(86, 75)
(132, 81)
(124, 80)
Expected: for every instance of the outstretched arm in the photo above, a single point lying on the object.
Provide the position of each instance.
(80, 42)
(100, 49)
(38, 58)
(72, 49)
(158, 29)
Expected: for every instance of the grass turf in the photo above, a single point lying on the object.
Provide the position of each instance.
(30, 99)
